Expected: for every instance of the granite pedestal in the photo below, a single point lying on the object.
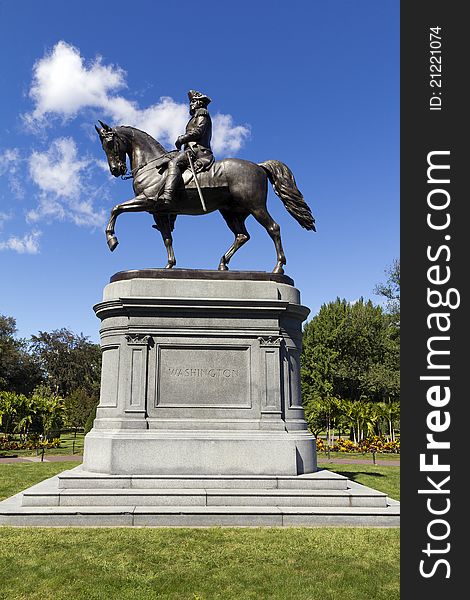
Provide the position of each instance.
(201, 375)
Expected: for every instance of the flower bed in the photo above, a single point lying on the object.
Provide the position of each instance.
(372, 444)
(8, 442)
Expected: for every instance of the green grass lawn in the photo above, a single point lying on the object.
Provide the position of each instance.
(16, 477)
(382, 478)
(197, 564)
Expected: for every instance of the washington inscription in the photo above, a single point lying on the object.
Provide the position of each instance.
(203, 375)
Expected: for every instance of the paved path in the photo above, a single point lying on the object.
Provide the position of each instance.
(78, 457)
(47, 458)
(359, 461)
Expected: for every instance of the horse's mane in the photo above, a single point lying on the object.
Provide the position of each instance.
(150, 139)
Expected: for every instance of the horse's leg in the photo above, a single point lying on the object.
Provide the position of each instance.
(137, 204)
(163, 224)
(236, 222)
(248, 186)
(265, 219)
(110, 237)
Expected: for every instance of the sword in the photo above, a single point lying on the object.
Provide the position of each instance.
(188, 153)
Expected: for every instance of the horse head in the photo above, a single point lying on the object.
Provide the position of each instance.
(115, 148)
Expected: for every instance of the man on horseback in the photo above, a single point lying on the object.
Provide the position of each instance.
(244, 189)
(196, 141)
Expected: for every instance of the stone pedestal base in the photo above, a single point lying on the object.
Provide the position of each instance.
(201, 375)
(194, 452)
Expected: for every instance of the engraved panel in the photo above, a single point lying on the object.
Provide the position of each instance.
(137, 377)
(109, 377)
(272, 378)
(295, 398)
(203, 376)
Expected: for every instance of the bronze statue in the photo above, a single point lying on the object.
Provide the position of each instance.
(197, 152)
(235, 187)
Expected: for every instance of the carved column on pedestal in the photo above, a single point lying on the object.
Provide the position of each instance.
(137, 368)
(271, 410)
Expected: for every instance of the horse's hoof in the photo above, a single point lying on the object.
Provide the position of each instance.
(112, 243)
(223, 267)
(170, 265)
(279, 270)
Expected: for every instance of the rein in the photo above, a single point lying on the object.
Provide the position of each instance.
(130, 174)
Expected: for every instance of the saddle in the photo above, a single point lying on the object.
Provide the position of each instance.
(214, 177)
(153, 183)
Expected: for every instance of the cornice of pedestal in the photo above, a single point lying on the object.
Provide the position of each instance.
(139, 305)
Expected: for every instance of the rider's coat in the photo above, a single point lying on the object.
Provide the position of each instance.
(198, 138)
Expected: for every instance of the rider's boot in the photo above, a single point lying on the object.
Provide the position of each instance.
(171, 184)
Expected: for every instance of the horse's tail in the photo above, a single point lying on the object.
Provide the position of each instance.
(285, 187)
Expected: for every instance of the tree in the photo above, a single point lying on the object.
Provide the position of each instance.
(25, 415)
(68, 361)
(362, 416)
(91, 419)
(391, 290)
(19, 372)
(381, 383)
(320, 405)
(9, 406)
(78, 406)
(347, 350)
(390, 413)
(50, 409)
(350, 360)
(327, 413)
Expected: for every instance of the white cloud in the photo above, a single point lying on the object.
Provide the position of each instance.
(11, 166)
(59, 174)
(58, 169)
(9, 160)
(63, 85)
(3, 218)
(28, 244)
(228, 138)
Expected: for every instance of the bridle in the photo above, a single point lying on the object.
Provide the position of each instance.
(113, 136)
(117, 140)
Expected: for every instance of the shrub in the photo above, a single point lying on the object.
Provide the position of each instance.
(372, 444)
(89, 421)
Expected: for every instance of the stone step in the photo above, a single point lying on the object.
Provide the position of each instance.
(199, 516)
(46, 504)
(48, 494)
(322, 479)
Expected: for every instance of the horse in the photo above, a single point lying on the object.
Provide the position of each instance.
(242, 191)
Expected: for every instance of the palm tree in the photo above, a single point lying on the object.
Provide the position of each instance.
(390, 412)
(25, 416)
(362, 416)
(9, 405)
(50, 409)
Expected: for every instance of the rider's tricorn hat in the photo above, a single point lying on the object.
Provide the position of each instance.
(194, 95)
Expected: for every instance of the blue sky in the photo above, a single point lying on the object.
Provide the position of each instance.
(314, 84)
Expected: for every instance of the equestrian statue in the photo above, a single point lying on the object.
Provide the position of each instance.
(188, 181)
